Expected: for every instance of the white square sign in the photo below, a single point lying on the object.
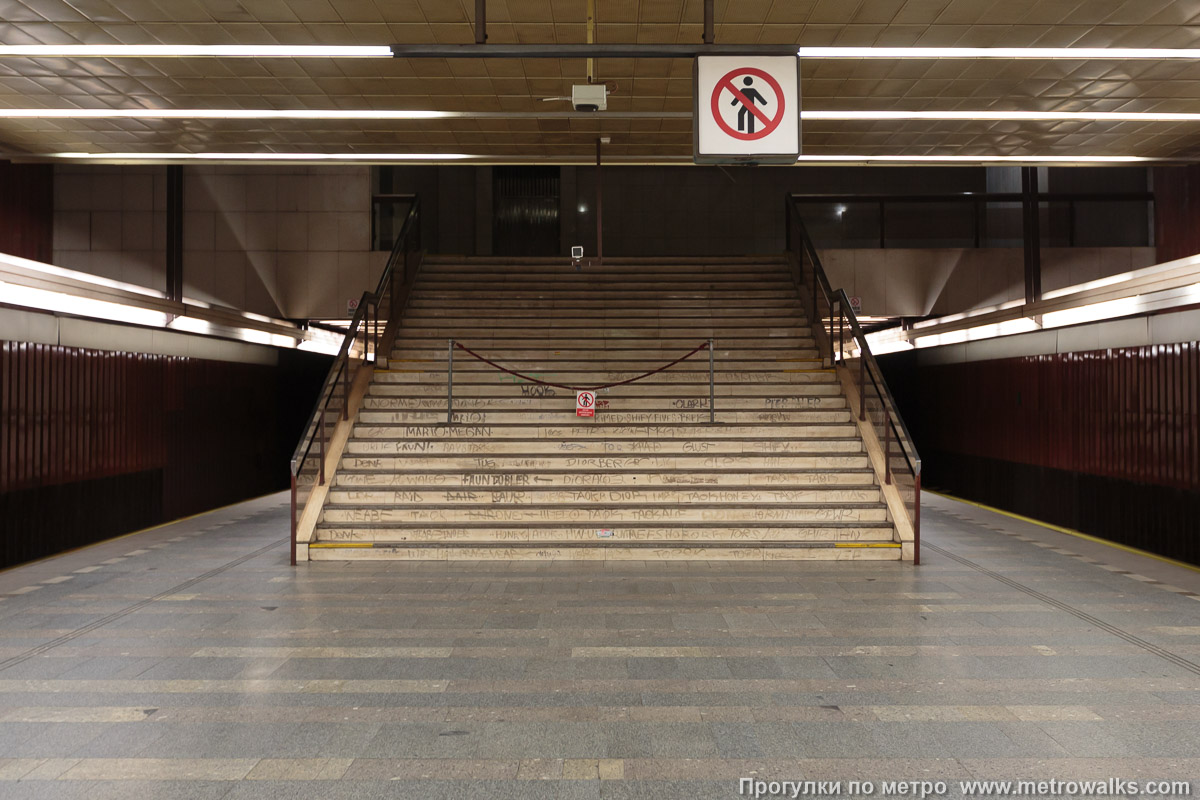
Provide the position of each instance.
(746, 109)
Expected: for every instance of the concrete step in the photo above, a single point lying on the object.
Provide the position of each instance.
(575, 320)
(607, 515)
(499, 477)
(565, 414)
(876, 532)
(672, 377)
(670, 466)
(612, 496)
(536, 358)
(782, 388)
(486, 446)
(589, 429)
(611, 403)
(487, 305)
(616, 295)
(626, 285)
(587, 331)
(641, 551)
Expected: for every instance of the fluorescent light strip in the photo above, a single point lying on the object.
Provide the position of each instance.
(262, 156)
(192, 50)
(389, 157)
(216, 113)
(1078, 53)
(1065, 159)
(405, 114)
(1012, 116)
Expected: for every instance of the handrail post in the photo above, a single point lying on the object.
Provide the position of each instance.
(346, 386)
(862, 386)
(917, 520)
(887, 444)
(712, 386)
(293, 519)
(449, 381)
(841, 332)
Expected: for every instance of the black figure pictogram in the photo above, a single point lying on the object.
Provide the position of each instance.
(751, 94)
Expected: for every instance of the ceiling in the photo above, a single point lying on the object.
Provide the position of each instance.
(655, 86)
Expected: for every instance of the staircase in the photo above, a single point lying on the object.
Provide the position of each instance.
(782, 474)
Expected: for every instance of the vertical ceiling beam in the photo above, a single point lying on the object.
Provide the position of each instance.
(175, 232)
(1031, 230)
(591, 39)
(480, 21)
(708, 21)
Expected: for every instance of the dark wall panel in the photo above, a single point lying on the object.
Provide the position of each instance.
(27, 210)
(1129, 413)
(95, 443)
(1106, 442)
(1177, 211)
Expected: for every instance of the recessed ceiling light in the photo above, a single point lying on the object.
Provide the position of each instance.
(192, 51)
(216, 113)
(1082, 53)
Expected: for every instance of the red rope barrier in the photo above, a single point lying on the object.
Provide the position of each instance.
(531, 379)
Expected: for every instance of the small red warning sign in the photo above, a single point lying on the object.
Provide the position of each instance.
(585, 404)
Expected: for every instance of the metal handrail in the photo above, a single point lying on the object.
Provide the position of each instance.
(846, 312)
(842, 317)
(339, 371)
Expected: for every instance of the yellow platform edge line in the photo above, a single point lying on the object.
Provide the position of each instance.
(1068, 531)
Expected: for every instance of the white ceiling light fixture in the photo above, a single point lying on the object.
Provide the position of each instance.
(980, 159)
(1006, 116)
(1078, 53)
(367, 157)
(192, 51)
(219, 113)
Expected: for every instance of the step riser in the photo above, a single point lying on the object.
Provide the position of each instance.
(798, 386)
(615, 404)
(605, 554)
(486, 448)
(495, 479)
(654, 358)
(613, 497)
(563, 378)
(602, 464)
(555, 310)
(609, 537)
(606, 516)
(624, 368)
(565, 416)
(567, 433)
(582, 332)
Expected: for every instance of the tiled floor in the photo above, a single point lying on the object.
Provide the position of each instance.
(192, 662)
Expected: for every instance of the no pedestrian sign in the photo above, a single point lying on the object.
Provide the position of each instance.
(585, 404)
(747, 109)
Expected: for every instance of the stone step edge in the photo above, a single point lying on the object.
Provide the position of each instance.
(641, 471)
(640, 545)
(538, 525)
(857, 505)
(615, 487)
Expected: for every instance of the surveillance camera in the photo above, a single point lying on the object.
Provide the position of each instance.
(589, 97)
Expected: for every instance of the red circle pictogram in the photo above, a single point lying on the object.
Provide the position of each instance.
(769, 125)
